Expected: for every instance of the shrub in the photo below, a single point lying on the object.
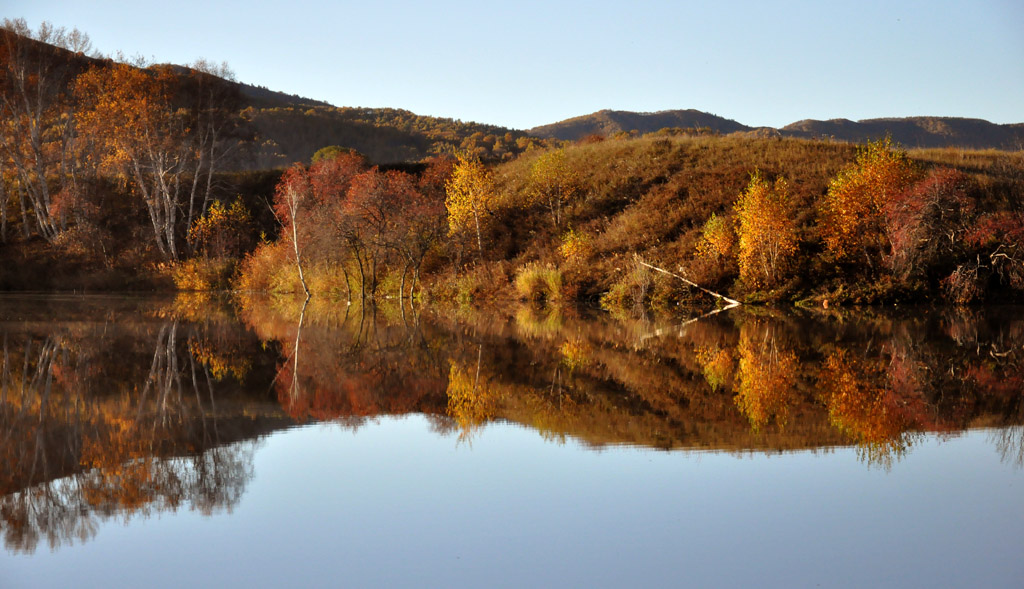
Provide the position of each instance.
(199, 274)
(576, 247)
(631, 289)
(1000, 237)
(536, 282)
(222, 231)
(718, 239)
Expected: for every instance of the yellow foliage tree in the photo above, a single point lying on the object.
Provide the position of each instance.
(221, 229)
(469, 192)
(767, 232)
(851, 216)
(717, 238)
(553, 183)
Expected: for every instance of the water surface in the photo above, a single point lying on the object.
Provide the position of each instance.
(187, 441)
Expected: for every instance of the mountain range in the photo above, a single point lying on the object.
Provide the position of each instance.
(908, 131)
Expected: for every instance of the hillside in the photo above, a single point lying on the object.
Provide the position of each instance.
(910, 131)
(287, 133)
(271, 129)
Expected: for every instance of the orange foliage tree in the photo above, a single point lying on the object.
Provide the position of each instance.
(307, 202)
(36, 127)
(126, 111)
(852, 217)
(767, 232)
(374, 205)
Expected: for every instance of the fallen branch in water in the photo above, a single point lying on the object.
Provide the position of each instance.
(731, 302)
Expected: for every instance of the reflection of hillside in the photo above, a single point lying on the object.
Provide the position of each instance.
(604, 382)
(740, 381)
(106, 420)
(753, 381)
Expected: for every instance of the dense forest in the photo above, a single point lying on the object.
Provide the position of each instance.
(118, 175)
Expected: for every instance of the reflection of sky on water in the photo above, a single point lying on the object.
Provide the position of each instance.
(393, 503)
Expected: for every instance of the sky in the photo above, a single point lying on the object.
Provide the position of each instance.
(522, 64)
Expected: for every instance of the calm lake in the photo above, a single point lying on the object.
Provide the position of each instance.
(196, 442)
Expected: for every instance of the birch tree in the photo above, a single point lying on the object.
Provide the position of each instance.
(141, 138)
(469, 194)
(36, 117)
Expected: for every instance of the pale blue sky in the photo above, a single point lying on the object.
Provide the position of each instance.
(522, 64)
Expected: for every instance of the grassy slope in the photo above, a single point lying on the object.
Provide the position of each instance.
(651, 196)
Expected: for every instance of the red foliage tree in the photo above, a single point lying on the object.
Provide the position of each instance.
(926, 223)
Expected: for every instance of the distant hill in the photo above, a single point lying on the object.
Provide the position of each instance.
(910, 131)
(609, 122)
(915, 131)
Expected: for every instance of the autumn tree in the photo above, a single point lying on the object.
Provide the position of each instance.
(141, 137)
(374, 202)
(470, 192)
(309, 204)
(212, 101)
(223, 230)
(718, 238)
(293, 198)
(36, 118)
(553, 183)
(927, 222)
(851, 221)
(423, 222)
(767, 232)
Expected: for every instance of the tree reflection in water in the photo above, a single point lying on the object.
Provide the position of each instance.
(87, 436)
(742, 381)
(157, 411)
